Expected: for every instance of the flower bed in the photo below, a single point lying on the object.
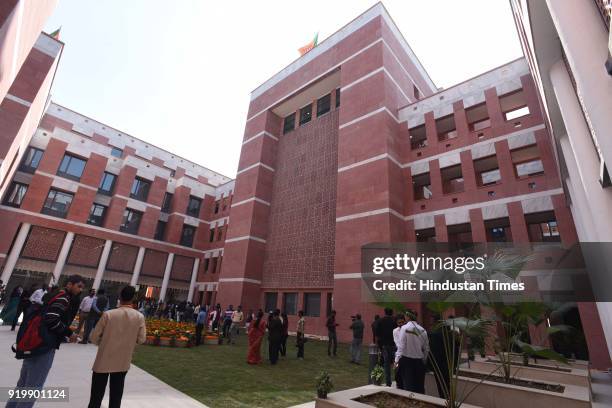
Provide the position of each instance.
(169, 333)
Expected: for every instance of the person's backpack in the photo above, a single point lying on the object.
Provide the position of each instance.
(33, 337)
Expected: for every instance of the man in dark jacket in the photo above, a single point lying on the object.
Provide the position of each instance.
(275, 336)
(444, 349)
(99, 306)
(357, 327)
(332, 338)
(57, 316)
(386, 343)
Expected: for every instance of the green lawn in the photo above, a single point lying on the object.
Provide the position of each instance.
(219, 376)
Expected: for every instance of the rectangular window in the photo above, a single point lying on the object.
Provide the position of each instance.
(418, 137)
(187, 235)
(270, 299)
(212, 235)
(290, 303)
(131, 221)
(549, 229)
(117, 152)
(478, 117)
(289, 123)
(107, 183)
(312, 304)
(337, 97)
(527, 161)
(206, 263)
(193, 208)
(487, 171)
(305, 114)
(31, 160)
(323, 105)
(71, 167)
(96, 215)
(213, 266)
(140, 189)
(160, 231)
(421, 185)
(57, 203)
(16, 193)
(216, 207)
(220, 234)
(446, 128)
(167, 203)
(417, 94)
(452, 179)
(514, 105)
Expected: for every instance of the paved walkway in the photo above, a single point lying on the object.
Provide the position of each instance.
(72, 368)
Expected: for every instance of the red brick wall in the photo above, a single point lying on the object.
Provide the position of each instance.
(85, 251)
(154, 263)
(122, 257)
(181, 268)
(43, 243)
(300, 244)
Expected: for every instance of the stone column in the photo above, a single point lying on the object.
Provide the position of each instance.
(137, 266)
(63, 255)
(102, 264)
(164, 288)
(13, 256)
(194, 275)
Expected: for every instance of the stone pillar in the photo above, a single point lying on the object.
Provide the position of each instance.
(164, 288)
(517, 222)
(102, 264)
(504, 160)
(137, 266)
(13, 256)
(194, 275)
(441, 229)
(493, 108)
(63, 255)
(467, 171)
(431, 131)
(461, 123)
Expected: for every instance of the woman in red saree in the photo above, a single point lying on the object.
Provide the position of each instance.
(257, 330)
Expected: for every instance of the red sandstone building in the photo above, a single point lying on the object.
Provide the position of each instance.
(350, 144)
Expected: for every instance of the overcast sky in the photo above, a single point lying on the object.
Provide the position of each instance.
(179, 74)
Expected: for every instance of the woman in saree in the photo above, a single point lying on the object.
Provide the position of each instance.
(257, 330)
(10, 309)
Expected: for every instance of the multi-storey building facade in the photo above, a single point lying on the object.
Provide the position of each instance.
(567, 45)
(353, 144)
(92, 200)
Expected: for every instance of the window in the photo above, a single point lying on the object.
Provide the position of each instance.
(212, 235)
(187, 235)
(337, 97)
(312, 304)
(478, 117)
(193, 208)
(16, 193)
(31, 160)
(220, 234)
(452, 179)
(117, 152)
(131, 221)
(517, 113)
(290, 303)
(289, 123)
(57, 203)
(446, 128)
(160, 231)
(140, 189)
(167, 202)
(527, 161)
(421, 186)
(549, 229)
(270, 299)
(206, 263)
(514, 105)
(323, 105)
(417, 94)
(418, 137)
(305, 114)
(213, 266)
(71, 167)
(425, 235)
(487, 171)
(107, 183)
(96, 215)
(216, 206)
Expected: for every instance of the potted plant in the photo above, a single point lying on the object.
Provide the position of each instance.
(377, 375)
(324, 384)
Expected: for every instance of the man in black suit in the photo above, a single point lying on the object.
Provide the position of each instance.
(384, 337)
(275, 335)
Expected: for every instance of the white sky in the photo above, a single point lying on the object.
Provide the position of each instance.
(178, 74)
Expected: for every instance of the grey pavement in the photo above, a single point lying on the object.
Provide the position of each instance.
(72, 368)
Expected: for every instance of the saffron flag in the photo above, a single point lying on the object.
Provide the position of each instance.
(56, 33)
(303, 50)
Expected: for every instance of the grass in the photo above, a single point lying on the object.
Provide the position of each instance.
(218, 376)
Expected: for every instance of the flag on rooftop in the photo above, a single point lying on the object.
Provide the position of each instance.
(303, 50)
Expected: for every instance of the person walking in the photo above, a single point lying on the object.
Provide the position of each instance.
(227, 321)
(285, 336)
(332, 342)
(38, 294)
(384, 337)
(300, 335)
(200, 322)
(22, 306)
(256, 333)
(400, 320)
(10, 309)
(357, 327)
(116, 334)
(275, 334)
(412, 351)
(98, 306)
(56, 315)
(84, 309)
(443, 341)
(373, 326)
(236, 321)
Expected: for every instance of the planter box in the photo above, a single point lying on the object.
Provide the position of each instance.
(499, 395)
(347, 398)
(573, 377)
(580, 364)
